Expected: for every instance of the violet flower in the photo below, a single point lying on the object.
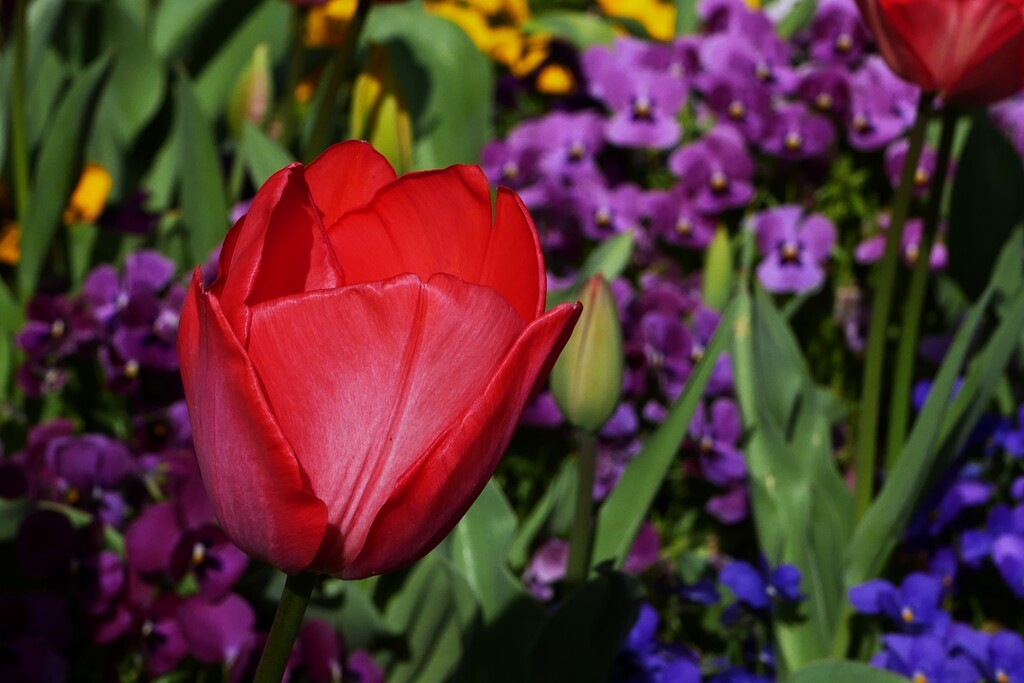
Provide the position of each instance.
(794, 246)
(915, 605)
(881, 106)
(718, 169)
(826, 90)
(796, 133)
(836, 34)
(676, 219)
(872, 249)
(547, 567)
(743, 105)
(644, 104)
(761, 588)
(716, 433)
(644, 659)
(924, 658)
(896, 153)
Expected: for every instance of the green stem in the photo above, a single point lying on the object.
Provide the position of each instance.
(340, 73)
(582, 539)
(874, 361)
(19, 126)
(903, 372)
(285, 628)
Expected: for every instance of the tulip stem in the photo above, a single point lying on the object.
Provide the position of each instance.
(340, 72)
(874, 360)
(582, 539)
(19, 125)
(903, 372)
(285, 628)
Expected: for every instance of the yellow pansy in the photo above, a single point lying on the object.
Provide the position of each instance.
(10, 238)
(90, 196)
(657, 18)
(555, 79)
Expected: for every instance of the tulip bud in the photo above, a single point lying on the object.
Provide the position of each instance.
(718, 271)
(379, 112)
(250, 100)
(587, 379)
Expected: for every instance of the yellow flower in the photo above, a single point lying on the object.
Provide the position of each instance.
(657, 18)
(555, 79)
(326, 24)
(10, 251)
(90, 196)
(533, 54)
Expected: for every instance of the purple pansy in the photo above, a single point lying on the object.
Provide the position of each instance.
(826, 90)
(794, 246)
(715, 432)
(546, 568)
(761, 588)
(836, 34)
(676, 219)
(872, 249)
(896, 154)
(717, 169)
(644, 104)
(881, 106)
(87, 471)
(796, 133)
(924, 658)
(604, 211)
(745, 106)
(645, 660)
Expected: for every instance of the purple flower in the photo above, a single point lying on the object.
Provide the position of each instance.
(962, 495)
(796, 133)
(542, 412)
(896, 153)
(568, 144)
(734, 16)
(662, 345)
(759, 589)
(881, 107)
(826, 90)
(546, 568)
(999, 657)
(604, 212)
(644, 106)
(753, 58)
(644, 553)
(976, 544)
(676, 219)
(1008, 115)
(644, 660)
(1008, 556)
(218, 632)
(794, 246)
(1012, 438)
(914, 605)
(745, 106)
(86, 470)
(837, 35)
(944, 566)
(717, 169)
(730, 507)
(924, 658)
(716, 433)
(872, 249)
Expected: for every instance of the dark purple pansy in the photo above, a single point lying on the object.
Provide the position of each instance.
(715, 432)
(546, 568)
(676, 219)
(794, 246)
(218, 632)
(915, 605)
(759, 57)
(825, 90)
(644, 658)
(605, 211)
(745, 106)
(882, 107)
(836, 34)
(872, 249)
(87, 472)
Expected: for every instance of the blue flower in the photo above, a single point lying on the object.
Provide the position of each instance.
(915, 605)
(924, 658)
(758, 589)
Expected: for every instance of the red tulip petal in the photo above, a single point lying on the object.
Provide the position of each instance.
(279, 248)
(364, 379)
(512, 265)
(423, 223)
(250, 471)
(435, 492)
(346, 176)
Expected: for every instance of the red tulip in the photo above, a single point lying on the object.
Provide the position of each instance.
(357, 369)
(967, 51)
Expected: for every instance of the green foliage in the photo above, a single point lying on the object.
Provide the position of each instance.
(582, 29)
(832, 671)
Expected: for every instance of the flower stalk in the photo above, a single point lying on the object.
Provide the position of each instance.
(581, 540)
(19, 124)
(287, 620)
(903, 372)
(874, 360)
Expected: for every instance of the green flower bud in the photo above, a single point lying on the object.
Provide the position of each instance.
(718, 271)
(253, 93)
(587, 379)
(379, 112)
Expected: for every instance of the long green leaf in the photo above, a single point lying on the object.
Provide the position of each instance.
(55, 175)
(263, 156)
(204, 208)
(833, 671)
(623, 512)
(446, 81)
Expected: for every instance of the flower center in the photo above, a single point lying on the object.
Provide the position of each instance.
(921, 177)
(684, 226)
(131, 369)
(790, 252)
(576, 151)
(793, 141)
(510, 170)
(860, 123)
(198, 553)
(1002, 677)
(642, 109)
(919, 677)
(823, 101)
(763, 72)
(737, 111)
(57, 329)
(719, 181)
(911, 252)
(603, 217)
(844, 42)
(907, 615)
(706, 444)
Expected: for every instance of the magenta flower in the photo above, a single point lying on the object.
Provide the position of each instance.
(795, 246)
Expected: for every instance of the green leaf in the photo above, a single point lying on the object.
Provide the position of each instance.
(554, 511)
(12, 512)
(174, 24)
(436, 612)
(624, 510)
(55, 175)
(447, 82)
(582, 638)
(81, 241)
(42, 19)
(798, 15)
(265, 24)
(477, 548)
(610, 258)
(43, 94)
(348, 606)
(836, 671)
(801, 508)
(138, 81)
(687, 17)
(204, 208)
(985, 204)
(263, 155)
(582, 29)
